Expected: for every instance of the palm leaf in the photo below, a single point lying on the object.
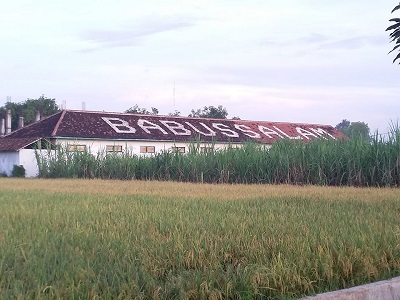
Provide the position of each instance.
(394, 48)
(394, 26)
(394, 32)
(396, 8)
(394, 36)
(396, 58)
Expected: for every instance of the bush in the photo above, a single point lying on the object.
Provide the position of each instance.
(18, 171)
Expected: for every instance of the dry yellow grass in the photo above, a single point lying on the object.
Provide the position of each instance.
(193, 191)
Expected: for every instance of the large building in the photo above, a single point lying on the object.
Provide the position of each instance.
(141, 135)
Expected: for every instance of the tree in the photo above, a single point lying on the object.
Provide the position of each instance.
(46, 107)
(354, 129)
(176, 113)
(359, 129)
(16, 110)
(219, 112)
(141, 111)
(343, 126)
(28, 109)
(395, 34)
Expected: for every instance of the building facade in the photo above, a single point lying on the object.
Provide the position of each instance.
(142, 135)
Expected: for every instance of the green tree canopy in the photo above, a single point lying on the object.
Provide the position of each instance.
(395, 34)
(176, 113)
(343, 126)
(354, 129)
(28, 109)
(219, 112)
(142, 111)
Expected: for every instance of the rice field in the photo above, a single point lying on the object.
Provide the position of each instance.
(109, 239)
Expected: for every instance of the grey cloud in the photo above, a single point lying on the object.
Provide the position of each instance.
(270, 42)
(326, 42)
(132, 34)
(291, 75)
(313, 38)
(355, 42)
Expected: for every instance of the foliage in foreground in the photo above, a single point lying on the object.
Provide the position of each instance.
(354, 162)
(69, 245)
(395, 34)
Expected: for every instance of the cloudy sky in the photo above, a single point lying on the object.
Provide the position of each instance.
(308, 61)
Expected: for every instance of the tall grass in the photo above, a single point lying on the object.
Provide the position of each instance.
(353, 162)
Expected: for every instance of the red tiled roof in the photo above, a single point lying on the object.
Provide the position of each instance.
(11, 144)
(42, 128)
(106, 125)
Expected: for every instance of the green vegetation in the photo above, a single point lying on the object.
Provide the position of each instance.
(213, 112)
(395, 34)
(18, 171)
(355, 162)
(116, 240)
(354, 129)
(28, 109)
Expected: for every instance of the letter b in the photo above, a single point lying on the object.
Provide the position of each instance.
(119, 125)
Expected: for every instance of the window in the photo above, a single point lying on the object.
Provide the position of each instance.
(147, 149)
(114, 148)
(178, 149)
(79, 148)
(206, 149)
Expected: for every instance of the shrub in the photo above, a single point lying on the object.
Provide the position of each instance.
(18, 171)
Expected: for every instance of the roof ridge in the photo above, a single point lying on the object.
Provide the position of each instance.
(58, 123)
(31, 124)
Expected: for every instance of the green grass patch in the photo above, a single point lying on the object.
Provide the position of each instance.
(65, 245)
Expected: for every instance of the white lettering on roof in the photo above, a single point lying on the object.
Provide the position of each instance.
(176, 128)
(268, 131)
(147, 125)
(322, 133)
(119, 125)
(209, 133)
(305, 133)
(247, 131)
(225, 130)
(286, 135)
(231, 129)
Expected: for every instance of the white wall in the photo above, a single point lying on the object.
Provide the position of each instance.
(134, 146)
(27, 159)
(7, 161)
(23, 157)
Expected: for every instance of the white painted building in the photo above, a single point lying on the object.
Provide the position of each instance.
(142, 135)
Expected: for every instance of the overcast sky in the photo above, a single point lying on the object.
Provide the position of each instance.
(305, 61)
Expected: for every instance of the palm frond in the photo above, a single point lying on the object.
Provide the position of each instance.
(394, 26)
(396, 58)
(394, 36)
(396, 8)
(394, 49)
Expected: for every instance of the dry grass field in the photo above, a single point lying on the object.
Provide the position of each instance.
(100, 239)
(197, 191)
